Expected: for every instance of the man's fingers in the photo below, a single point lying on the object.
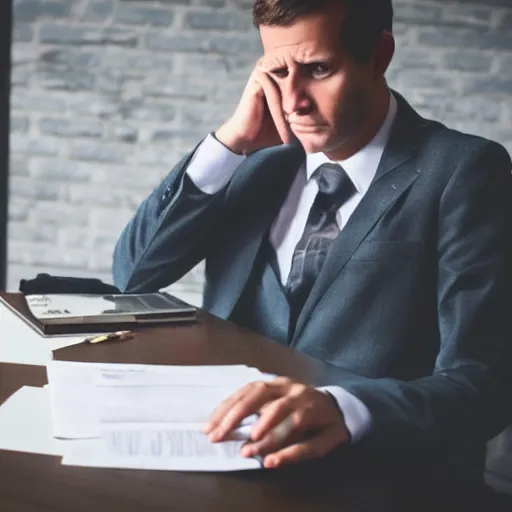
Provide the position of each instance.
(246, 402)
(221, 410)
(281, 435)
(273, 415)
(273, 98)
(317, 446)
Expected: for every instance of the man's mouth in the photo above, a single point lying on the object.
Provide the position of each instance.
(306, 128)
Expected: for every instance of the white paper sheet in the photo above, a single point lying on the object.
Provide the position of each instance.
(72, 398)
(159, 404)
(145, 416)
(85, 394)
(160, 375)
(180, 447)
(25, 423)
(60, 305)
(20, 344)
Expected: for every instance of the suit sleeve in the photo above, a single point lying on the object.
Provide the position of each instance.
(174, 227)
(469, 393)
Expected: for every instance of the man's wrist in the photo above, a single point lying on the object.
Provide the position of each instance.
(337, 405)
(213, 165)
(232, 143)
(356, 415)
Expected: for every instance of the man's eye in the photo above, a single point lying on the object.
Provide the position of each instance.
(319, 70)
(280, 73)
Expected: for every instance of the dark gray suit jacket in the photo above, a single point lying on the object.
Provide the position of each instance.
(415, 293)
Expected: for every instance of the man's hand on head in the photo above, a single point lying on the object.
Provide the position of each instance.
(296, 422)
(258, 121)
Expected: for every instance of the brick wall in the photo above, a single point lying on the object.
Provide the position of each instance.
(108, 94)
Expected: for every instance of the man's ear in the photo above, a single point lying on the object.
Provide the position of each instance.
(383, 54)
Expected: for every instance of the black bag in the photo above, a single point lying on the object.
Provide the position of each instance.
(45, 283)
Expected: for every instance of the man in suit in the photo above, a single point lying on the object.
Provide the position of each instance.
(336, 220)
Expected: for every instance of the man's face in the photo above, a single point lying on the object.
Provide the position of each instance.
(326, 94)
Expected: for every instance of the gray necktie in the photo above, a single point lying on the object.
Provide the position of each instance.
(334, 188)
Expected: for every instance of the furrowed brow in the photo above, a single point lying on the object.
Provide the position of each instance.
(281, 62)
(311, 59)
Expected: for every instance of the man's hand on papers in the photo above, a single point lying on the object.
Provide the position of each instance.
(295, 422)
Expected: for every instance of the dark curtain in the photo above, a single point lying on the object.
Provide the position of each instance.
(5, 79)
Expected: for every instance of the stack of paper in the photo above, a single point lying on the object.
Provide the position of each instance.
(26, 423)
(145, 416)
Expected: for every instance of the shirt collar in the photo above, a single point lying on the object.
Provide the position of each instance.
(361, 167)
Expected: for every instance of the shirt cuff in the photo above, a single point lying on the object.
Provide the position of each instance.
(213, 165)
(357, 416)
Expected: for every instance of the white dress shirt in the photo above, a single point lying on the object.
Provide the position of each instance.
(213, 166)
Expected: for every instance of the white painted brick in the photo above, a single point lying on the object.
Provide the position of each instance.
(151, 92)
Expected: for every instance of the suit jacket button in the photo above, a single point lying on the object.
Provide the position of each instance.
(166, 193)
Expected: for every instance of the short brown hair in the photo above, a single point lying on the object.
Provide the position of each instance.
(365, 20)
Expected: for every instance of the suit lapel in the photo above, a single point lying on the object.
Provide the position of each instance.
(395, 174)
(275, 170)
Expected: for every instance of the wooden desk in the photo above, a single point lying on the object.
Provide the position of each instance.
(36, 483)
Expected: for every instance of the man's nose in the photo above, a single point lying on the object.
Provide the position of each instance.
(294, 96)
